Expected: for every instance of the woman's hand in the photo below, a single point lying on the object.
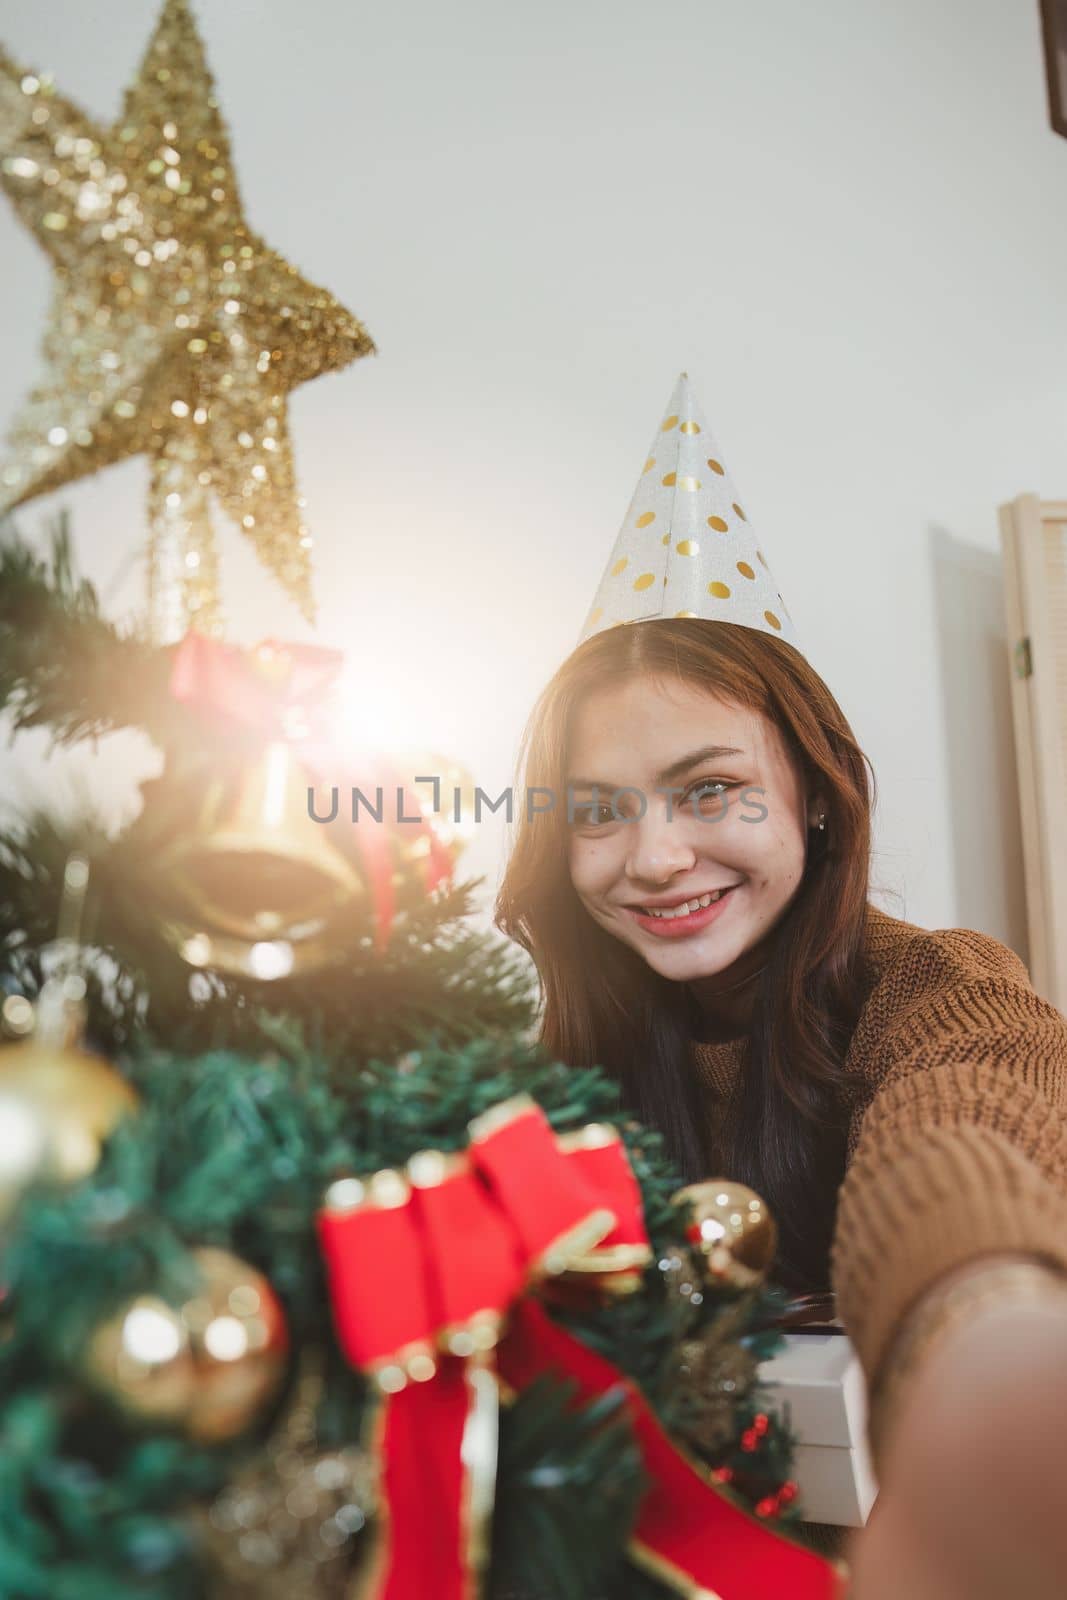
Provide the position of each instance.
(972, 1498)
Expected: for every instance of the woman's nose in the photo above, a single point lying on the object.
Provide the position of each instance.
(658, 849)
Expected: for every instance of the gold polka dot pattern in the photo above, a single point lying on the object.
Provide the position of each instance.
(673, 566)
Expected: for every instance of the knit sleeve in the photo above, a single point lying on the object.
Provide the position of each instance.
(962, 1150)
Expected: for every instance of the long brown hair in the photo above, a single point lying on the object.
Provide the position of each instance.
(602, 1004)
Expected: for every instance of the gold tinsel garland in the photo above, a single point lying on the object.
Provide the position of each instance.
(174, 331)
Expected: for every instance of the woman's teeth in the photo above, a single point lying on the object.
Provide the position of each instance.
(687, 906)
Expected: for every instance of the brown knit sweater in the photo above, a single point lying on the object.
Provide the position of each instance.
(957, 1141)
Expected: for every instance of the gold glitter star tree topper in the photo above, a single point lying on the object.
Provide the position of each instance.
(174, 330)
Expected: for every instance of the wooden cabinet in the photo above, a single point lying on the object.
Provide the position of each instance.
(1034, 541)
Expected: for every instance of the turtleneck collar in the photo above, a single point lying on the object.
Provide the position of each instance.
(717, 1066)
(724, 1010)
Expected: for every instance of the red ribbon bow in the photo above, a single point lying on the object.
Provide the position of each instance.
(282, 691)
(428, 1271)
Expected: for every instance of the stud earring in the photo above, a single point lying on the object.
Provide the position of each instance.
(822, 819)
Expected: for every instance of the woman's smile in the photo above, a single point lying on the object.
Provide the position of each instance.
(689, 917)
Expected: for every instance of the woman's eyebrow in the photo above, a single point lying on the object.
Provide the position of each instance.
(709, 752)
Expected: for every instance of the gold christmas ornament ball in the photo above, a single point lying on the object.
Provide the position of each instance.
(287, 1524)
(207, 1364)
(57, 1106)
(733, 1227)
(709, 1376)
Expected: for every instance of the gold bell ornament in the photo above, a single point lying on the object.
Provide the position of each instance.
(207, 1363)
(58, 1101)
(257, 857)
(733, 1228)
(254, 884)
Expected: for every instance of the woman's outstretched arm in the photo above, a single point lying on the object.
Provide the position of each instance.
(972, 1503)
(961, 1150)
(950, 1267)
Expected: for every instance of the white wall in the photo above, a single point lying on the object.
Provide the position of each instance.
(847, 220)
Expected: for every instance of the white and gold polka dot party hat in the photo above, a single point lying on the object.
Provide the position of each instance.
(686, 548)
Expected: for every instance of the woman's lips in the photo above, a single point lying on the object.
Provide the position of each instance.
(678, 927)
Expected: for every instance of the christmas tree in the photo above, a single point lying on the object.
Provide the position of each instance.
(317, 1276)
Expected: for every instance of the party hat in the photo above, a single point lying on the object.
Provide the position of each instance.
(686, 547)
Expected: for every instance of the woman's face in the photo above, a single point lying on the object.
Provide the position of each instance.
(737, 821)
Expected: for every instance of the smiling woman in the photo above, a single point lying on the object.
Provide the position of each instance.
(776, 948)
(895, 1094)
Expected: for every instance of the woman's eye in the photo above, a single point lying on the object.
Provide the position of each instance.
(711, 790)
(592, 816)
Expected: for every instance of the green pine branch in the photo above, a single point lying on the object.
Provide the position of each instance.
(237, 1151)
(63, 665)
(440, 977)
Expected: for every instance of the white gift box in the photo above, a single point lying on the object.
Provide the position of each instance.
(816, 1386)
